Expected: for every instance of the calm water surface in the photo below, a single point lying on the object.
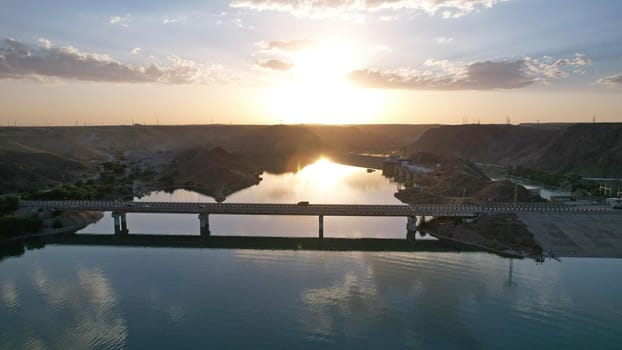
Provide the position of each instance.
(78, 297)
(320, 183)
(144, 298)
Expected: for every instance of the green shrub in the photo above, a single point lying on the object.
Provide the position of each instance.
(57, 223)
(14, 225)
(8, 203)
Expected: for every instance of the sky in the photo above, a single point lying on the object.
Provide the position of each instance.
(310, 61)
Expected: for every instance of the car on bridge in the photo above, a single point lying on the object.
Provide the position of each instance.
(615, 203)
(303, 203)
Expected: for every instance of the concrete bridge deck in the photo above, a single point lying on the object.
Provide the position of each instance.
(119, 210)
(311, 209)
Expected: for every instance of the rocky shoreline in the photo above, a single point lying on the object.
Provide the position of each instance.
(504, 234)
(54, 223)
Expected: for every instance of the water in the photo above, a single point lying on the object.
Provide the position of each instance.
(322, 182)
(64, 297)
(78, 297)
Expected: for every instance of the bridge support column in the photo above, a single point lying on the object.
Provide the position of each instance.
(411, 228)
(204, 225)
(124, 228)
(321, 231)
(117, 223)
(120, 223)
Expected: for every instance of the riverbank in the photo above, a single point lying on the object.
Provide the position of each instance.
(54, 222)
(504, 234)
(429, 178)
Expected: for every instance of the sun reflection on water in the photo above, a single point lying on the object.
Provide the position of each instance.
(325, 174)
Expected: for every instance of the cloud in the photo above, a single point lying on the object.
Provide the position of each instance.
(274, 64)
(291, 45)
(169, 20)
(579, 60)
(136, 50)
(444, 40)
(122, 21)
(280, 52)
(326, 8)
(19, 61)
(483, 75)
(611, 81)
(45, 43)
(388, 18)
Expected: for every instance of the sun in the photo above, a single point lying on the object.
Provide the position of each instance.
(317, 90)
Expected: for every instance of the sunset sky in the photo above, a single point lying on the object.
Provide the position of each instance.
(287, 61)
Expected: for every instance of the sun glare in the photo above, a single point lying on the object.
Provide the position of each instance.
(316, 90)
(324, 173)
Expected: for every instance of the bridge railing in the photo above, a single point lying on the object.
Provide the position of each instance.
(311, 209)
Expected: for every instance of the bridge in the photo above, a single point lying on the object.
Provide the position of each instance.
(119, 210)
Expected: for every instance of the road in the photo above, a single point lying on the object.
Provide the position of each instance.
(314, 209)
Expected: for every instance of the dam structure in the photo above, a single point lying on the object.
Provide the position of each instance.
(119, 210)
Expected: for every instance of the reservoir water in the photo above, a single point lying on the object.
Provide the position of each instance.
(81, 297)
(322, 182)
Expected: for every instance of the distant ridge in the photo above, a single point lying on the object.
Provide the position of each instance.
(593, 149)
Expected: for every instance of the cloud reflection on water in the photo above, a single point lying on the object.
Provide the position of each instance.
(84, 301)
(9, 294)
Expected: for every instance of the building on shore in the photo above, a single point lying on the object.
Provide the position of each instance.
(404, 170)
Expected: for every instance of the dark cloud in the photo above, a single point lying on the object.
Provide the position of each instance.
(497, 75)
(611, 81)
(274, 64)
(485, 75)
(20, 61)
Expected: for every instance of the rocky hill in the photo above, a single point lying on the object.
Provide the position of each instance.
(215, 172)
(499, 144)
(22, 171)
(584, 149)
(38, 157)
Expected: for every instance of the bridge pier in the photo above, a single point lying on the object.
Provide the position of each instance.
(120, 223)
(321, 231)
(117, 223)
(204, 225)
(411, 228)
(124, 229)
